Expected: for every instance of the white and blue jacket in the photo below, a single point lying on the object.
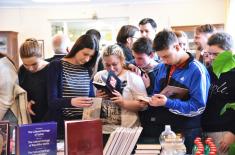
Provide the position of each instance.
(180, 114)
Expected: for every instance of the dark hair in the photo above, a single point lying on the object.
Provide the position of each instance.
(125, 32)
(207, 28)
(30, 48)
(85, 41)
(94, 32)
(143, 45)
(148, 20)
(222, 40)
(163, 40)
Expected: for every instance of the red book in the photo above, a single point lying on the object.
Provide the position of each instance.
(83, 137)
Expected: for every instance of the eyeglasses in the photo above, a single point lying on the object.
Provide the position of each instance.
(212, 54)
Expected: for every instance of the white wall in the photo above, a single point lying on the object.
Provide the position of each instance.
(35, 22)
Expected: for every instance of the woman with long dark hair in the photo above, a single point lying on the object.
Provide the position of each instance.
(69, 82)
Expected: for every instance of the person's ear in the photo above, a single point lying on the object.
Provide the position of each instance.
(152, 55)
(177, 47)
(128, 40)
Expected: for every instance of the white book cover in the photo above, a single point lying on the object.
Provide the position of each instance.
(135, 139)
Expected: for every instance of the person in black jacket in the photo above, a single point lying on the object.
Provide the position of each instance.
(127, 35)
(33, 78)
(60, 44)
(220, 126)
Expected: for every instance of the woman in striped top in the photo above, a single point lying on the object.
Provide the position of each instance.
(69, 83)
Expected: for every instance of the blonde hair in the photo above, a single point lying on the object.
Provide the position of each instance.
(30, 48)
(114, 50)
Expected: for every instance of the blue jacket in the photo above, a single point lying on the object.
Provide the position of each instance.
(180, 114)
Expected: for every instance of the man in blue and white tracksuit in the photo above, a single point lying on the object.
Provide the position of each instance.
(178, 69)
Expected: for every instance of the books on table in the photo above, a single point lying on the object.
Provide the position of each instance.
(83, 137)
(36, 138)
(122, 141)
(148, 149)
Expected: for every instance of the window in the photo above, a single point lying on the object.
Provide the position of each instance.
(108, 27)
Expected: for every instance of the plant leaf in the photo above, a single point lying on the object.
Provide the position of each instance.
(224, 62)
(227, 106)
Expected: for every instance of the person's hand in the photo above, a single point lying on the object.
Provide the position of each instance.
(228, 139)
(101, 94)
(135, 69)
(29, 107)
(146, 80)
(118, 99)
(81, 102)
(158, 100)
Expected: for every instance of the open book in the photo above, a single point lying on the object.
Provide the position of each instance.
(175, 92)
(109, 83)
(170, 91)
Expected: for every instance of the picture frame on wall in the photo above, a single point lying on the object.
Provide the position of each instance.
(41, 45)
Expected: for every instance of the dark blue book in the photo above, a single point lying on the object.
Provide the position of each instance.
(36, 139)
(109, 83)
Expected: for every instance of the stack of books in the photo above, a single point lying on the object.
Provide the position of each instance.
(122, 141)
(148, 149)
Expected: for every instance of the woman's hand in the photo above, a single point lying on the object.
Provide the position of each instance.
(118, 99)
(228, 139)
(101, 94)
(81, 102)
(29, 107)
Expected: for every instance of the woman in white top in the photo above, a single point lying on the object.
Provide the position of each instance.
(133, 88)
(9, 78)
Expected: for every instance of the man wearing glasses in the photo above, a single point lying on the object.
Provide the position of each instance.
(220, 126)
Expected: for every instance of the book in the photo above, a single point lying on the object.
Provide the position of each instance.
(93, 111)
(148, 146)
(36, 138)
(175, 92)
(83, 137)
(122, 141)
(153, 151)
(4, 138)
(109, 83)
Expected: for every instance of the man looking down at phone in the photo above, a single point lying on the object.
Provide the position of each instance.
(178, 69)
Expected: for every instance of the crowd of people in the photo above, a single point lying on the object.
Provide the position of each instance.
(146, 62)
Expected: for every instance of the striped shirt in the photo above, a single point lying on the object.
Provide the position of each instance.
(75, 83)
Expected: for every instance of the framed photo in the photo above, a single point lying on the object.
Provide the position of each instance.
(41, 45)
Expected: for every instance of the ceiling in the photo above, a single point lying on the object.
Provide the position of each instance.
(32, 3)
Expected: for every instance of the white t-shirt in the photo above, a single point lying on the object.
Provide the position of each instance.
(134, 87)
